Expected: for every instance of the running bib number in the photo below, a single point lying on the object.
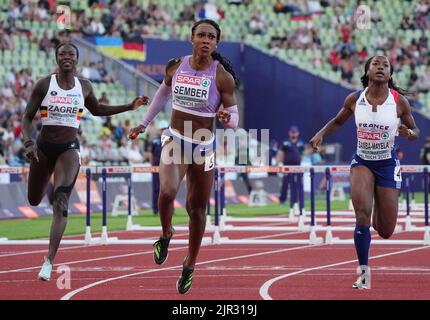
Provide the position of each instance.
(397, 173)
(165, 139)
(374, 151)
(210, 162)
(191, 91)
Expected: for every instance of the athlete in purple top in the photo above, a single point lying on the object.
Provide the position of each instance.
(198, 84)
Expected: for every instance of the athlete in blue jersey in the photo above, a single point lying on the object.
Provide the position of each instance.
(381, 112)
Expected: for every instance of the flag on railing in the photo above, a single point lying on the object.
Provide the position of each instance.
(128, 49)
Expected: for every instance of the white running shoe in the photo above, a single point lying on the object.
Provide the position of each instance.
(363, 280)
(45, 272)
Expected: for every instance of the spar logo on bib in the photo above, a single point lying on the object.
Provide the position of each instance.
(206, 82)
(75, 101)
(385, 135)
(60, 100)
(189, 80)
(365, 135)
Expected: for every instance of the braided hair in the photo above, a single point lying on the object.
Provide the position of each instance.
(216, 55)
(391, 84)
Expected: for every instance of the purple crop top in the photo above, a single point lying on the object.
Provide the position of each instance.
(194, 91)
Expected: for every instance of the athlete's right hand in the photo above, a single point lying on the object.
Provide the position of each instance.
(134, 132)
(316, 142)
(30, 152)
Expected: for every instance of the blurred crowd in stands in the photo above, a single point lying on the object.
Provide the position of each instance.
(130, 19)
(13, 99)
(345, 56)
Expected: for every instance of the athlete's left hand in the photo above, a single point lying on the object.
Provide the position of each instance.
(316, 142)
(139, 101)
(404, 131)
(134, 132)
(224, 116)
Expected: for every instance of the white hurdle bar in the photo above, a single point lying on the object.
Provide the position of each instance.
(219, 183)
(105, 239)
(98, 241)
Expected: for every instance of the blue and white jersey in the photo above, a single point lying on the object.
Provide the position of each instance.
(376, 131)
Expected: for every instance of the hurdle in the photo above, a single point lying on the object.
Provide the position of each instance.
(88, 206)
(291, 218)
(426, 207)
(294, 209)
(408, 219)
(88, 240)
(414, 205)
(105, 239)
(337, 169)
(409, 169)
(312, 228)
(221, 211)
(135, 227)
(128, 170)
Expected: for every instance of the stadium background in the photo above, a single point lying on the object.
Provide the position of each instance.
(297, 61)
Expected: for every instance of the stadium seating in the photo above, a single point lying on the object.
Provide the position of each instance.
(235, 28)
(29, 55)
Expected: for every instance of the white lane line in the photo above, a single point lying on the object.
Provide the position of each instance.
(264, 290)
(80, 261)
(69, 295)
(75, 247)
(40, 251)
(277, 235)
(90, 260)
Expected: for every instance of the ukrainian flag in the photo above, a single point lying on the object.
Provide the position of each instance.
(118, 48)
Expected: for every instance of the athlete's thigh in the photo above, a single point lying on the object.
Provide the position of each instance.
(66, 169)
(172, 169)
(362, 183)
(386, 201)
(38, 177)
(199, 183)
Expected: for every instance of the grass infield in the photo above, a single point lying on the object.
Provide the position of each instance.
(18, 229)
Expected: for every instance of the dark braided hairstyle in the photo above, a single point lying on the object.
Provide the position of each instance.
(66, 44)
(216, 55)
(391, 84)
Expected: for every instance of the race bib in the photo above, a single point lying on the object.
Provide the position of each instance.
(210, 162)
(397, 172)
(191, 91)
(165, 139)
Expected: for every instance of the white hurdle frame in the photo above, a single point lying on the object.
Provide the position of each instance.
(104, 238)
(329, 239)
(220, 221)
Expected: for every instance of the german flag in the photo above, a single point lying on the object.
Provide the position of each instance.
(43, 112)
(128, 49)
(79, 115)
